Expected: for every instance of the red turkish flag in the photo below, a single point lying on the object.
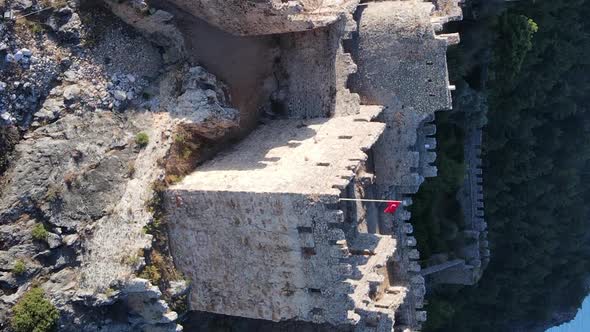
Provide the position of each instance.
(392, 206)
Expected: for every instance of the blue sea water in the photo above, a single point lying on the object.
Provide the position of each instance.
(579, 324)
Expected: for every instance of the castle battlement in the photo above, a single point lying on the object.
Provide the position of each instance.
(273, 199)
(260, 229)
(267, 16)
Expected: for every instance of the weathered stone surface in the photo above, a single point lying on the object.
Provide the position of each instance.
(157, 27)
(267, 16)
(201, 105)
(69, 240)
(311, 157)
(71, 92)
(414, 86)
(50, 111)
(196, 100)
(178, 288)
(53, 240)
(120, 95)
(72, 176)
(315, 72)
(268, 200)
(47, 172)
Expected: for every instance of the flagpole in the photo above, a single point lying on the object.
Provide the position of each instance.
(369, 200)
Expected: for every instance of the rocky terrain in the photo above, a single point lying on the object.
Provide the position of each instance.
(103, 105)
(96, 105)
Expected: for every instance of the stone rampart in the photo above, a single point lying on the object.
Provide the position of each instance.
(261, 233)
(315, 71)
(413, 87)
(475, 254)
(402, 65)
(474, 214)
(260, 230)
(426, 147)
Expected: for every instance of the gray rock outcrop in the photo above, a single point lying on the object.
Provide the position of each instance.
(82, 177)
(202, 106)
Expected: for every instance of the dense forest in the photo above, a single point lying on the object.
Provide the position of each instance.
(536, 167)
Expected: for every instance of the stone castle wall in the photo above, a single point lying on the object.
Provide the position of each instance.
(265, 216)
(315, 70)
(402, 37)
(426, 147)
(274, 197)
(412, 89)
(474, 212)
(260, 255)
(475, 254)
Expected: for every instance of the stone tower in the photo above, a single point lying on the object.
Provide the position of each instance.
(260, 229)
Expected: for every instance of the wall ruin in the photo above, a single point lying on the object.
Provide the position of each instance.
(273, 242)
(259, 229)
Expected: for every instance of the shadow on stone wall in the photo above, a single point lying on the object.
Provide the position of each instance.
(198, 321)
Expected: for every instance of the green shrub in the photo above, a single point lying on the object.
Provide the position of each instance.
(179, 138)
(172, 179)
(131, 260)
(53, 3)
(19, 267)
(34, 313)
(142, 139)
(109, 292)
(53, 193)
(186, 153)
(151, 273)
(39, 232)
(180, 304)
(31, 25)
(131, 168)
(439, 312)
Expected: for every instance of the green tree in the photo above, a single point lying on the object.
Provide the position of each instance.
(536, 170)
(39, 232)
(142, 139)
(19, 267)
(516, 33)
(34, 313)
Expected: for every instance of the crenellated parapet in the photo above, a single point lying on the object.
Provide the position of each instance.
(475, 213)
(401, 59)
(426, 147)
(474, 255)
(261, 230)
(402, 65)
(471, 197)
(261, 233)
(411, 313)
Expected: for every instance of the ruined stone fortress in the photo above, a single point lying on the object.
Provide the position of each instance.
(259, 229)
